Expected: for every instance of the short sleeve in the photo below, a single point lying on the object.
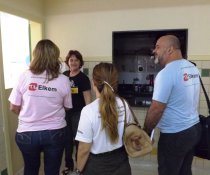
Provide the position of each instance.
(16, 95)
(86, 83)
(67, 97)
(162, 87)
(84, 131)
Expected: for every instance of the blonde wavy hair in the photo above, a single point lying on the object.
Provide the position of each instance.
(105, 78)
(46, 58)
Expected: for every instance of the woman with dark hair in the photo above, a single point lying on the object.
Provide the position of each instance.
(100, 132)
(40, 101)
(81, 96)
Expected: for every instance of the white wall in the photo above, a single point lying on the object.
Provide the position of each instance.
(91, 32)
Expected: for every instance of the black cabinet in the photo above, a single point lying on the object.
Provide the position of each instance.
(143, 42)
(138, 95)
(132, 56)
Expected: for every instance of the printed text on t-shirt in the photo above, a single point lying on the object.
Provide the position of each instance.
(35, 86)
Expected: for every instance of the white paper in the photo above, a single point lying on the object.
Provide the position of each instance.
(152, 134)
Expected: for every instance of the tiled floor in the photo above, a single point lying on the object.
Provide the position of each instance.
(148, 166)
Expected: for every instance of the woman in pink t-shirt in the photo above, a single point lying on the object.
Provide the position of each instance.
(40, 98)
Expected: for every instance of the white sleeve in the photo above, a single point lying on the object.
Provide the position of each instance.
(85, 131)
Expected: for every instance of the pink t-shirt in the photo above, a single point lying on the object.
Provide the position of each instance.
(42, 103)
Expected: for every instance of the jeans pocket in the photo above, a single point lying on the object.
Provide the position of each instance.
(58, 135)
(23, 137)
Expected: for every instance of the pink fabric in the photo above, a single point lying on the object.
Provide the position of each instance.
(42, 103)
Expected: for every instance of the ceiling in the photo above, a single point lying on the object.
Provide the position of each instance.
(75, 6)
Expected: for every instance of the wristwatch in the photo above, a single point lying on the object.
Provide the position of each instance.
(78, 172)
(75, 172)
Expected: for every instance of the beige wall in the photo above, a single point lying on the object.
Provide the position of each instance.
(10, 154)
(32, 9)
(88, 26)
(90, 29)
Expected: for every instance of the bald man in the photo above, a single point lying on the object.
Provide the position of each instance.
(174, 108)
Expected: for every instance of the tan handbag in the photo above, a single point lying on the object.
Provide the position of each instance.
(136, 141)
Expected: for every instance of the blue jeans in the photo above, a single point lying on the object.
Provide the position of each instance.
(50, 142)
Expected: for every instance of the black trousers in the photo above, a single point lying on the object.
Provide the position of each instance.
(111, 163)
(176, 151)
(72, 119)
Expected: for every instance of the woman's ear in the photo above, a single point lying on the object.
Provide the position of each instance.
(92, 82)
(93, 85)
(95, 89)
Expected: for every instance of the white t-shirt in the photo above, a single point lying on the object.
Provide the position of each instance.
(90, 127)
(42, 103)
(178, 86)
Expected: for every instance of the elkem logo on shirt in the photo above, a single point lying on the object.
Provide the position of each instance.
(189, 76)
(32, 86)
(35, 86)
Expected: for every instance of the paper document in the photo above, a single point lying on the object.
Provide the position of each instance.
(152, 134)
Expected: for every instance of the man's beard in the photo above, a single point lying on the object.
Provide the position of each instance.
(156, 61)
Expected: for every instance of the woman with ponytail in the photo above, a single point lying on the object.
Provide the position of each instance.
(100, 131)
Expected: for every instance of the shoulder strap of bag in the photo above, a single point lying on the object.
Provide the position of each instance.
(133, 114)
(205, 93)
(125, 121)
(206, 128)
(204, 90)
